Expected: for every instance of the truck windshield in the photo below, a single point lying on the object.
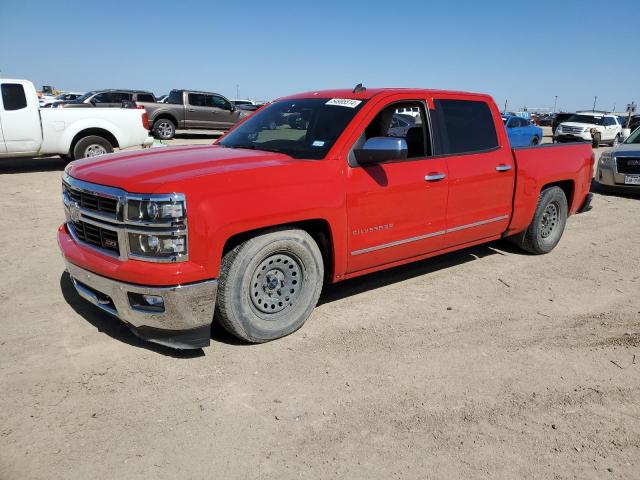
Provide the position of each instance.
(634, 137)
(591, 120)
(300, 128)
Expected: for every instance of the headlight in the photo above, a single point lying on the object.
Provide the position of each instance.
(606, 158)
(162, 210)
(157, 245)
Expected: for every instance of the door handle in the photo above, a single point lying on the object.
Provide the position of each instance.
(434, 177)
(192, 110)
(503, 168)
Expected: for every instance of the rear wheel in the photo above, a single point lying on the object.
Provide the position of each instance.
(269, 285)
(548, 223)
(92, 146)
(164, 129)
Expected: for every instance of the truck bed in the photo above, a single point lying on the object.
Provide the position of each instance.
(548, 164)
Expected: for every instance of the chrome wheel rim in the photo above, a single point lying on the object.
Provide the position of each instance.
(549, 220)
(94, 150)
(276, 283)
(164, 129)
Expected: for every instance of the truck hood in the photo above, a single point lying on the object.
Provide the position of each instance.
(628, 149)
(171, 169)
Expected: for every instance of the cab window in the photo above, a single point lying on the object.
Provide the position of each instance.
(13, 97)
(391, 121)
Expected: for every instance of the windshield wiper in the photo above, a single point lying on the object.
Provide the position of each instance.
(253, 147)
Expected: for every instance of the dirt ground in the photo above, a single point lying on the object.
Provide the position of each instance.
(485, 363)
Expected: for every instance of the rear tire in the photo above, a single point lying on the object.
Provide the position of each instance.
(269, 285)
(164, 129)
(92, 146)
(547, 226)
(595, 142)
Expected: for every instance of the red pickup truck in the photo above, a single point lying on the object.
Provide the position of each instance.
(313, 188)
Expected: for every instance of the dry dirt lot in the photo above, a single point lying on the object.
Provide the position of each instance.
(486, 363)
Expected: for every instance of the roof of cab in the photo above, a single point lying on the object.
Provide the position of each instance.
(369, 93)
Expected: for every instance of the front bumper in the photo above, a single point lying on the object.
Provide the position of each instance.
(573, 137)
(184, 322)
(608, 176)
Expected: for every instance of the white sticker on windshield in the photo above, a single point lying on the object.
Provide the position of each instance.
(318, 143)
(344, 102)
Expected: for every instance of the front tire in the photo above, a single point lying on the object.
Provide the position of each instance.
(547, 226)
(92, 146)
(269, 285)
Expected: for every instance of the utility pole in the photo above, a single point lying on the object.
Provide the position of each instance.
(555, 103)
(595, 99)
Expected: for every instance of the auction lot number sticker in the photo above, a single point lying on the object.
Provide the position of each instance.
(344, 102)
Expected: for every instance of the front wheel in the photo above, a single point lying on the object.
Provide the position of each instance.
(269, 285)
(548, 223)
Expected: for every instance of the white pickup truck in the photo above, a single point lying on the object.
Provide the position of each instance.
(28, 131)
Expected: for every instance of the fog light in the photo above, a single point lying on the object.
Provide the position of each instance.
(146, 303)
(153, 300)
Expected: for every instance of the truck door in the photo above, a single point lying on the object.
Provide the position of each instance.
(481, 170)
(222, 115)
(20, 119)
(395, 209)
(198, 114)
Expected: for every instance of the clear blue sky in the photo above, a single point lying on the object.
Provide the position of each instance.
(523, 51)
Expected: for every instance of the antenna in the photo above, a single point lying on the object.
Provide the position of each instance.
(359, 88)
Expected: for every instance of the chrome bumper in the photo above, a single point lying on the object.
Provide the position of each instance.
(608, 176)
(184, 322)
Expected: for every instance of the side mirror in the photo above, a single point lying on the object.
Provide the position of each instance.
(381, 149)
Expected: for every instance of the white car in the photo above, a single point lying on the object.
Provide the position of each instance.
(592, 127)
(28, 131)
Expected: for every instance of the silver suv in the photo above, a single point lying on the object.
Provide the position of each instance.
(619, 169)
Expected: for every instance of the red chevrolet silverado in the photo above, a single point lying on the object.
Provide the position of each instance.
(313, 188)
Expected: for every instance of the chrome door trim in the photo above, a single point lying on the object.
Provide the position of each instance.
(428, 235)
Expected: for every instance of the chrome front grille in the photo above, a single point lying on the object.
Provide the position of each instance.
(95, 235)
(92, 201)
(96, 218)
(568, 129)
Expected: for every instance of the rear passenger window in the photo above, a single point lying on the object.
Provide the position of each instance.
(13, 97)
(197, 100)
(464, 126)
(145, 97)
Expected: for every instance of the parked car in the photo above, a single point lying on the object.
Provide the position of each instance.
(545, 120)
(162, 98)
(596, 128)
(274, 213)
(192, 110)
(48, 101)
(558, 118)
(521, 132)
(619, 169)
(28, 131)
(109, 98)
